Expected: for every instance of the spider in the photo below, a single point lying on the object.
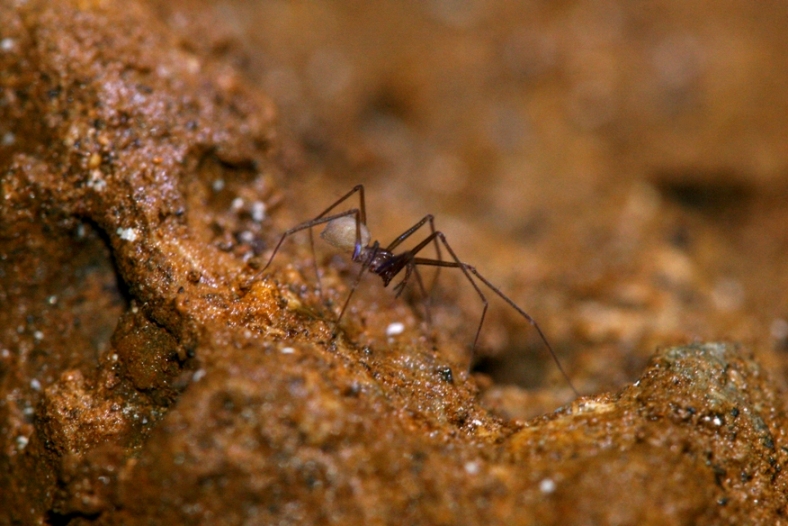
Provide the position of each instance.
(348, 231)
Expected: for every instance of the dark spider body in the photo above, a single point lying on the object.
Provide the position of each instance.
(382, 262)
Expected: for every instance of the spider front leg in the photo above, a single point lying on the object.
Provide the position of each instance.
(410, 268)
(429, 218)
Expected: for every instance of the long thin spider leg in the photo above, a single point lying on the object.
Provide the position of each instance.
(468, 270)
(361, 212)
(453, 264)
(440, 263)
(304, 226)
(423, 291)
(423, 243)
(362, 205)
(409, 232)
(361, 219)
(402, 237)
(530, 320)
(399, 287)
(364, 267)
(314, 263)
(440, 258)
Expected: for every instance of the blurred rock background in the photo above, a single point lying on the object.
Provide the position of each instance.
(619, 168)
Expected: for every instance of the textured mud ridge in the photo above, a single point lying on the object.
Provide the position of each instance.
(146, 377)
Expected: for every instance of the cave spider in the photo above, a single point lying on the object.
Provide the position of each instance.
(348, 231)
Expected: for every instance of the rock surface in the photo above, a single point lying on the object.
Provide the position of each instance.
(150, 374)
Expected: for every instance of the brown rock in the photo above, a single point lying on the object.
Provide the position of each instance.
(149, 375)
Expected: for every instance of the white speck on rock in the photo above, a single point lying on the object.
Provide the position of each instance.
(96, 181)
(258, 211)
(128, 234)
(395, 328)
(547, 486)
(471, 468)
(287, 350)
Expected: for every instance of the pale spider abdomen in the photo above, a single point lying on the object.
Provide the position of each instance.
(341, 233)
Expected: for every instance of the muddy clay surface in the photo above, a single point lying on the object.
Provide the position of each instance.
(619, 171)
